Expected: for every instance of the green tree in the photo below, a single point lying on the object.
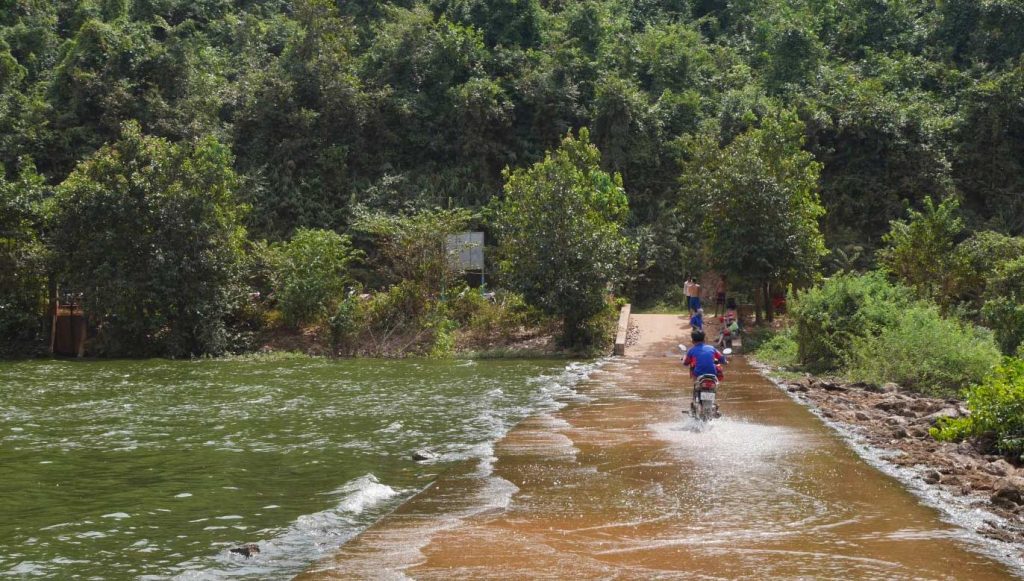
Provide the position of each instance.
(919, 251)
(975, 261)
(311, 274)
(148, 231)
(560, 234)
(756, 204)
(23, 263)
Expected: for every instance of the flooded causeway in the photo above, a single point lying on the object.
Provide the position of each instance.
(621, 486)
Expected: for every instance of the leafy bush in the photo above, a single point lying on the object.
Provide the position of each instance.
(829, 317)
(920, 253)
(922, 351)
(561, 227)
(997, 409)
(345, 325)
(1003, 310)
(779, 350)
(311, 274)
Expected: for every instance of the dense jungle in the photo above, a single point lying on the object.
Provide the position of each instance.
(198, 174)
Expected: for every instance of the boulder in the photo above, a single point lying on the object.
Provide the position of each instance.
(424, 455)
(892, 406)
(247, 550)
(948, 412)
(1009, 492)
(999, 467)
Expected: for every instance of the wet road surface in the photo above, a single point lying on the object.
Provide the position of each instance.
(619, 485)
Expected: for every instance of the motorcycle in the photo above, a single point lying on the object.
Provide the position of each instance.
(703, 404)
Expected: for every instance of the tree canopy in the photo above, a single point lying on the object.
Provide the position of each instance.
(322, 110)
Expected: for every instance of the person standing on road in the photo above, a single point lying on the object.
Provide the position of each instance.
(720, 290)
(692, 295)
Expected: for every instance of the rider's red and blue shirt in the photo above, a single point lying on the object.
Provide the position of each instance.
(703, 359)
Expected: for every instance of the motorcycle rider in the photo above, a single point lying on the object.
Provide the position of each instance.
(697, 320)
(703, 359)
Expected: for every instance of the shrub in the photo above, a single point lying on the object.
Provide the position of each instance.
(779, 350)
(1003, 310)
(922, 351)
(997, 409)
(919, 251)
(345, 325)
(829, 317)
(311, 274)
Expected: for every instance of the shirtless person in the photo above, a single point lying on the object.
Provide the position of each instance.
(692, 295)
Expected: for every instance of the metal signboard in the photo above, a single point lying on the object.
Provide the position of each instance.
(466, 251)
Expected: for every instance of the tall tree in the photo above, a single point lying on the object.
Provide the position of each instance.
(756, 204)
(148, 231)
(561, 236)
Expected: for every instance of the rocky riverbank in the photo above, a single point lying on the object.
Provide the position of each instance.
(895, 423)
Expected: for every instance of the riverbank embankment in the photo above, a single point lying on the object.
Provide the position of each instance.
(896, 422)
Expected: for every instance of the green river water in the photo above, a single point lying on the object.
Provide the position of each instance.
(154, 469)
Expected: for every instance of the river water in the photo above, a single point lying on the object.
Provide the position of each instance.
(621, 486)
(154, 469)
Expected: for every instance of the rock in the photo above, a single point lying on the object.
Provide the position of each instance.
(917, 432)
(246, 550)
(862, 417)
(891, 406)
(999, 468)
(831, 386)
(1009, 492)
(424, 455)
(951, 480)
(932, 476)
(948, 412)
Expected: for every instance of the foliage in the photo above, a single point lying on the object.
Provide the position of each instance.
(919, 252)
(23, 263)
(560, 231)
(311, 274)
(831, 316)
(413, 246)
(997, 409)
(327, 107)
(975, 261)
(148, 231)
(346, 323)
(1003, 310)
(779, 350)
(920, 350)
(756, 202)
